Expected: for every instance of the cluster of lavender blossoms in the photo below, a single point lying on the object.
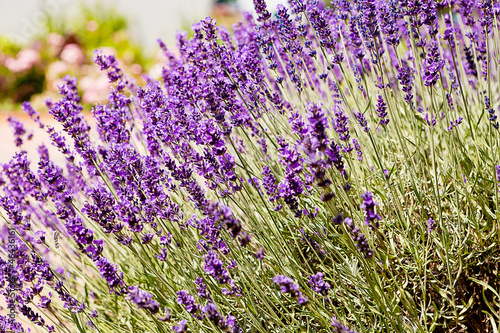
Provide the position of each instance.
(262, 160)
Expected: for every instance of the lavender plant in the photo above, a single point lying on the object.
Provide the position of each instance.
(330, 168)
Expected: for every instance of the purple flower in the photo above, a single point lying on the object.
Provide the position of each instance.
(287, 286)
(261, 10)
(8, 324)
(405, 77)
(215, 267)
(335, 157)
(389, 22)
(292, 186)
(486, 14)
(470, 66)
(358, 149)
(109, 272)
(359, 238)
(162, 256)
(318, 285)
(307, 239)
(259, 255)
(466, 9)
(69, 301)
(382, 110)
(360, 117)
(19, 130)
(491, 112)
(142, 299)
(110, 64)
(111, 119)
(430, 225)
(498, 175)
(432, 65)
(368, 24)
(288, 31)
(320, 25)
(167, 316)
(302, 300)
(202, 289)
(45, 301)
(340, 123)
(31, 315)
(318, 123)
(183, 298)
(449, 31)
(34, 115)
(101, 211)
(180, 327)
(269, 183)
(354, 38)
(455, 123)
(210, 312)
(68, 112)
(430, 122)
(371, 218)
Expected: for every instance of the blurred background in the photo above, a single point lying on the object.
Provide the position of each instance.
(43, 40)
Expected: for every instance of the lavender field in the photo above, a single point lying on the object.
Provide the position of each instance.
(324, 167)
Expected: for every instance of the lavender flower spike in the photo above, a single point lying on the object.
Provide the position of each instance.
(430, 225)
(432, 65)
(368, 205)
(261, 10)
(359, 238)
(382, 110)
(180, 327)
(142, 299)
(289, 287)
(318, 285)
(498, 175)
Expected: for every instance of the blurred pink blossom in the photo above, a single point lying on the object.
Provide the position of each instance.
(55, 42)
(24, 60)
(95, 90)
(136, 69)
(73, 54)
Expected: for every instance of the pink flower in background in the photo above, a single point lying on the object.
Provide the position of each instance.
(95, 90)
(24, 60)
(92, 26)
(73, 54)
(136, 69)
(55, 42)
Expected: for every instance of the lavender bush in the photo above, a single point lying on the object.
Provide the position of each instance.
(320, 169)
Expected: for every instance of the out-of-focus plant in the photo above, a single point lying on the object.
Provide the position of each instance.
(95, 26)
(21, 71)
(64, 46)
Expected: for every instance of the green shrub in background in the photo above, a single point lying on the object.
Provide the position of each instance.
(68, 41)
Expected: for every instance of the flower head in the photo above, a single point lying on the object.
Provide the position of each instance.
(371, 217)
(287, 286)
